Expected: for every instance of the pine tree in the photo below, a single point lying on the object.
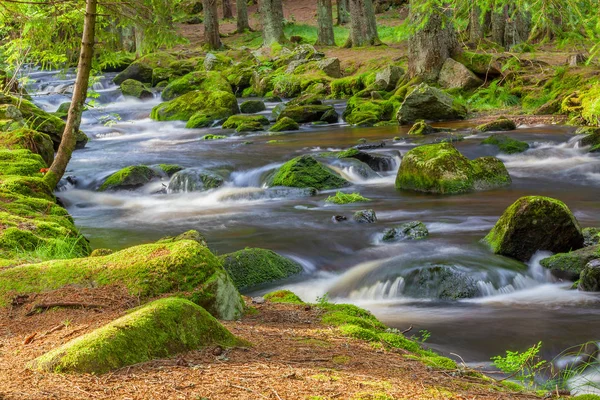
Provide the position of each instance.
(227, 10)
(271, 12)
(325, 36)
(242, 15)
(211, 25)
(363, 25)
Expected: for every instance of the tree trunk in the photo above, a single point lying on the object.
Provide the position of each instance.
(475, 26)
(69, 137)
(211, 25)
(343, 12)
(499, 25)
(271, 12)
(431, 45)
(242, 15)
(138, 33)
(363, 25)
(325, 23)
(227, 10)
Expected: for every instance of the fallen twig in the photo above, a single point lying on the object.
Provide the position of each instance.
(46, 306)
(30, 338)
(407, 330)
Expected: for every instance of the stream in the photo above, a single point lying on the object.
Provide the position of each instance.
(516, 305)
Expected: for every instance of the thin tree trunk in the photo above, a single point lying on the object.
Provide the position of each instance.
(343, 12)
(271, 12)
(227, 9)
(499, 25)
(475, 26)
(138, 33)
(69, 137)
(242, 15)
(430, 46)
(369, 16)
(325, 35)
(363, 25)
(211, 25)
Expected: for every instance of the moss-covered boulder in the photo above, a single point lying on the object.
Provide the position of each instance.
(142, 69)
(246, 123)
(591, 236)
(414, 230)
(285, 124)
(199, 108)
(194, 180)
(440, 168)
(307, 172)
(149, 270)
(159, 329)
(365, 216)
(500, 124)
(589, 280)
(283, 296)
(203, 81)
(252, 106)
(129, 178)
(506, 144)
(429, 103)
(133, 88)
(364, 112)
(28, 139)
(252, 267)
(421, 127)
(569, 265)
(170, 169)
(591, 138)
(535, 223)
(305, 114)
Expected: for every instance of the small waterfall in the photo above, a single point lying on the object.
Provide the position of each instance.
(387, 290)
(253, 177)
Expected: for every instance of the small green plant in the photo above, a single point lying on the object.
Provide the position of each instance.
(67, 322)
(493, 97)
(323, 300)
(522, 366)
(423, 336)
(345, 198)
(56, 249)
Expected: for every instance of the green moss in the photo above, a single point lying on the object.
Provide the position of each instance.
(159, 329)
(305, 114)
(358, 332)
(245, 123)
(128, 178)
(500, 124)
(398, 341)
(252, 106)
(146, 271)
(208, 118)
(285, 124)
(513, 386)
(251, 267)
(131, 87)
(347, 87)
(201, 81)
(363, 112)
(283, 296)
(439, 362)
(571, 264)
(345, 198)
(506, 144)
(28, 139)
(420, 127)
(213, 137)
(170, 169)
(184, 107)
(21, 163)
(307, 172)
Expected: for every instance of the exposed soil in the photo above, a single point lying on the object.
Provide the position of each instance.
(294, 357)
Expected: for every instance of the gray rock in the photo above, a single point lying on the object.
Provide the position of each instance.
(258, 300)
(454, 75)
(306, 52)
(293, 65)
(589, 281)
(194, 180)
(365, 217)
(414, 230)
(331, 67)
(591, 236)
(428, 103)
(388, 78)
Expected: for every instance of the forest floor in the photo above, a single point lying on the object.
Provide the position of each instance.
(294, 356)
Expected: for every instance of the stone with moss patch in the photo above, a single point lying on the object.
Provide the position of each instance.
(252, 267)
(159, 329)
(252, 106)
(363, 112)
(170, 169)
(569, 265)
(414, 230)
(142, 69)
(283, 296)
(285, 124)
(246, 123)
(440, 168)
(346, 198)
(194, 180)
(589, 280)
(591, 236)
(306, 114)
(128, 178)
(506, 144)
(197, 106)
(421, 127)
(429, 103)
(28, 139)
(500, 124)
(534, 223)
(202, 81)
(133, 88)
(307, 172)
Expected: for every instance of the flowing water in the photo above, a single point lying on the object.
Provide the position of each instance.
(515, 305)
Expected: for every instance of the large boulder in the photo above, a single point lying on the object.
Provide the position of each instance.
(534, 223)
(388, 78)
(252, 267)
(569, 265)
(133, 88)
(146, 271)
(194, 180)
(440, 282)
(454, 75)
(199, 108)
(203, 81)
(429, 103)
(129, 178)
(159, 329)
(305, 114)
(307, 172)
(440, 168)
(589, 280)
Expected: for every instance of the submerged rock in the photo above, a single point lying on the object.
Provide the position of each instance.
(414, 230)
(534, 223)
(440, 168)
(159, 329)
(589, 280)
(506, 144)
(252, 267)
(194, 180)
(428, 103)
(307, 172)
(129, 178)
(569, 265)
(500, 124)
(365, 217)
(440, 282)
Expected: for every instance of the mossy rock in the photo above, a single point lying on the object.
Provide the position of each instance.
(211, 136)
(362, 112)
(591, 236)
(142, 69)
(306, 114)
(159, 329)
(506, 144)
(128, 178)
(591, 139)
(185, 107)
(133, 88)
(534, 223)
(414, 230)
(306, 100)
(208, 118)
(20, 162)
(440, 168)
(500, 124)
(252, 106)
(482, 64)
(170, 169)
(202, 81)
(194, 180)
(421, 127)
(429, 103)
(146, 271)
(307, 172)
(285, 124)
(101, 252)
(188, 235)
(245, 123)
(283, 296)
(589, 280)
(569, 265)
(252, 267)
(63, 110)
